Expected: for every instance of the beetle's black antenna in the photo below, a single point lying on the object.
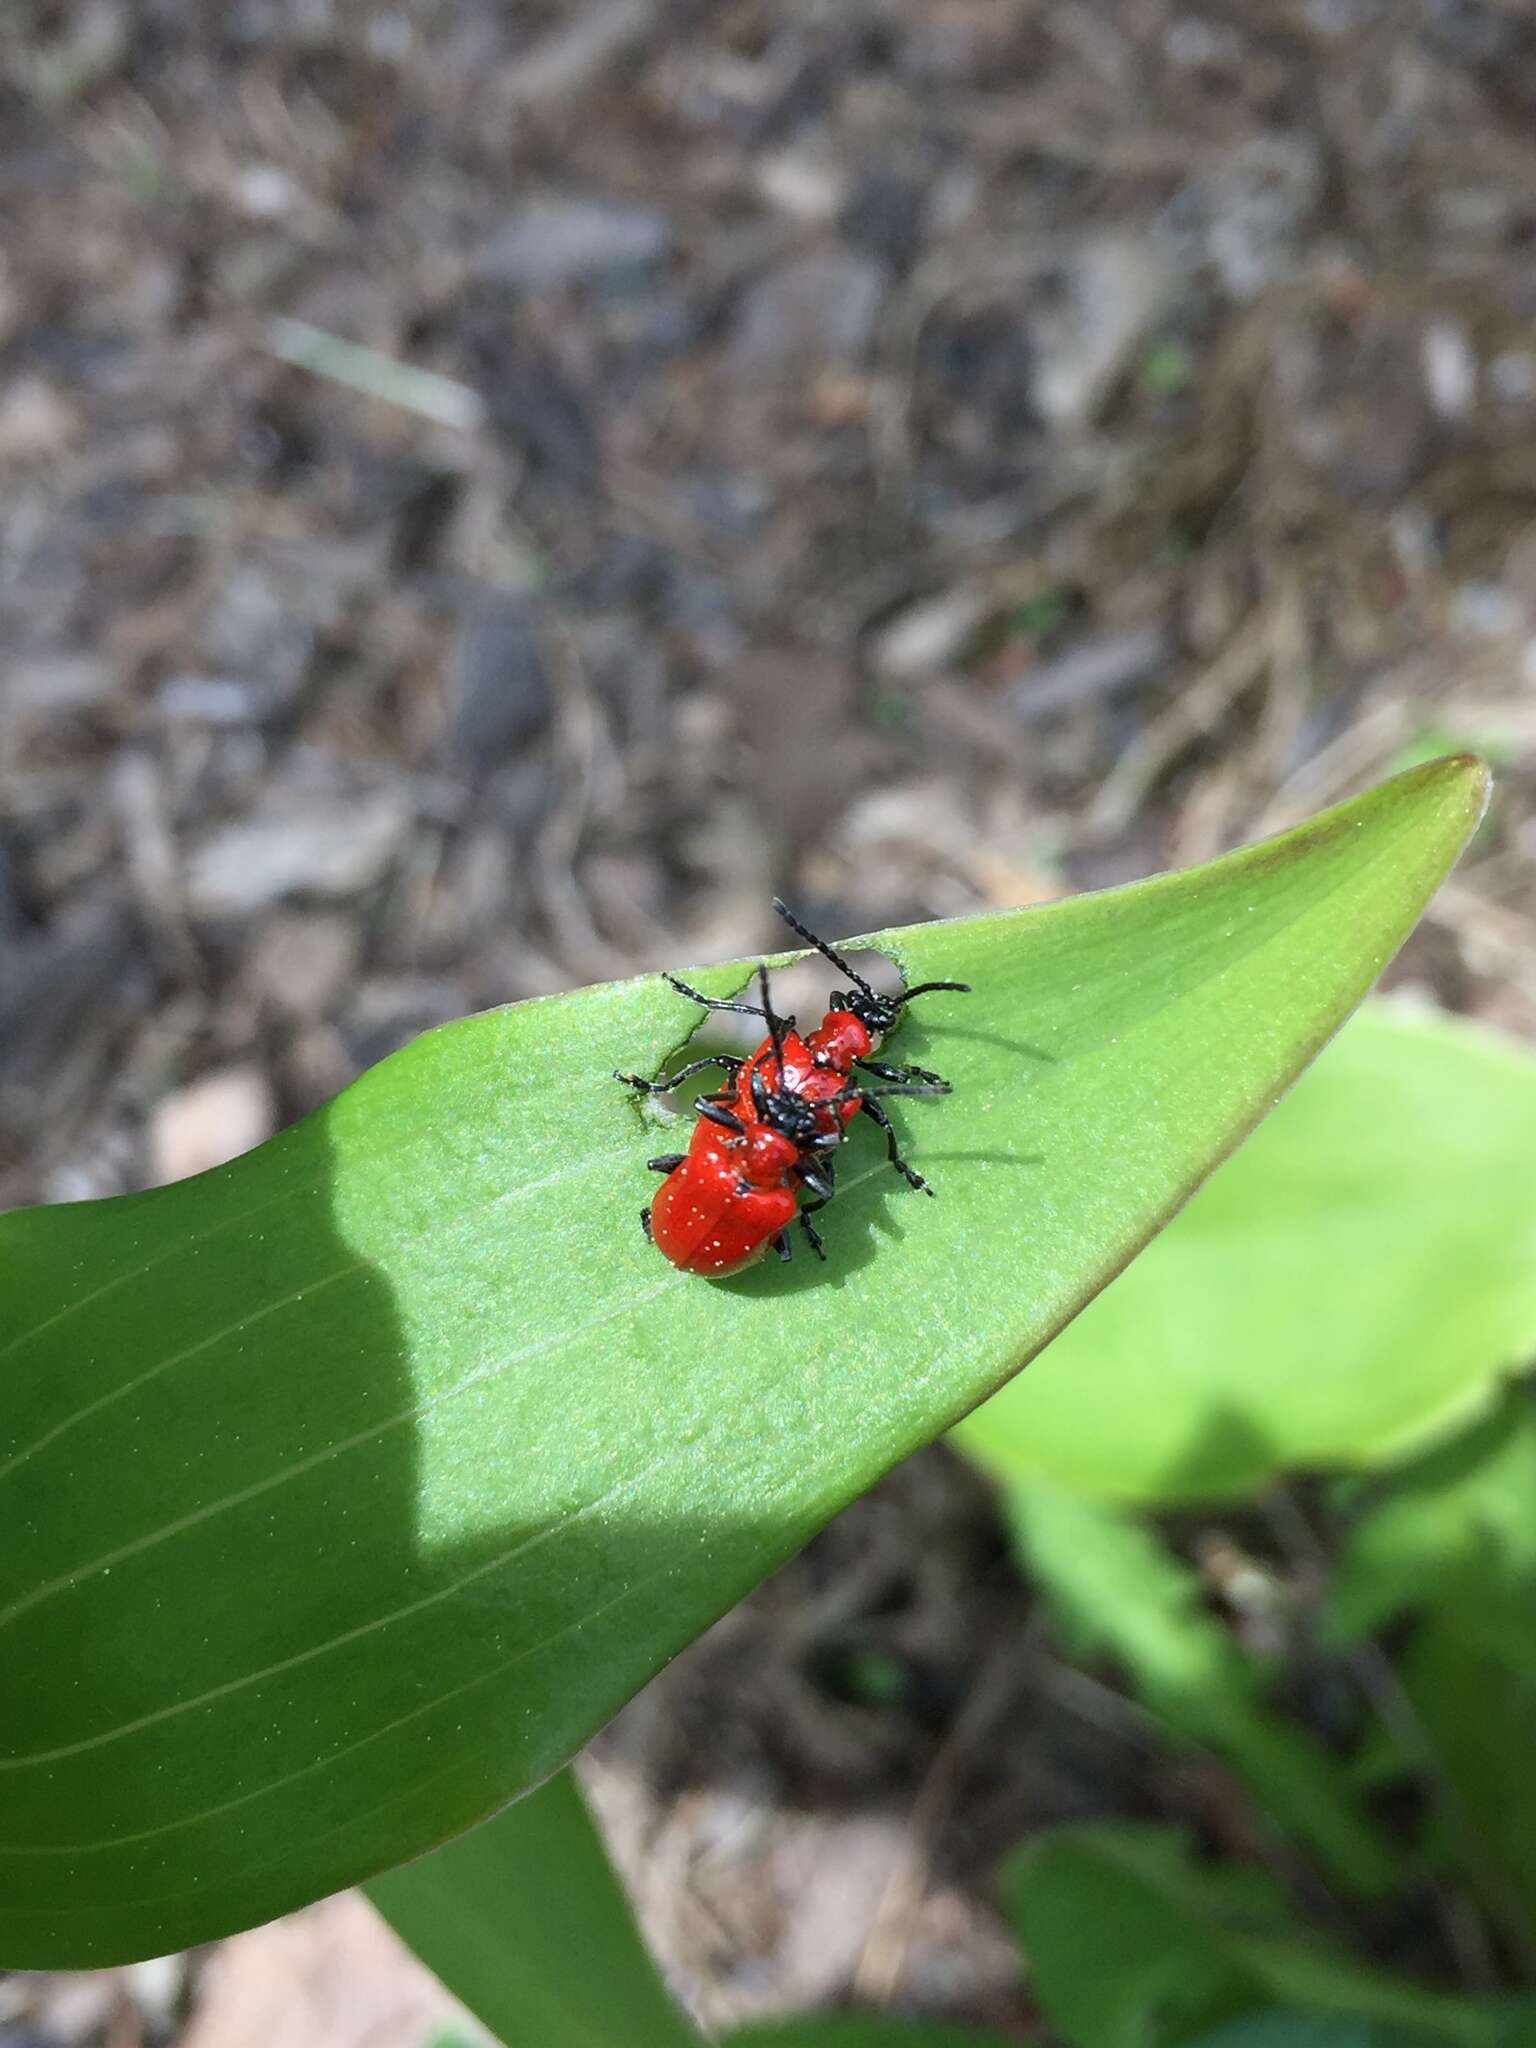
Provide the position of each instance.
(829, 952)
(927, 988)
(924, 988)
(775, 1022)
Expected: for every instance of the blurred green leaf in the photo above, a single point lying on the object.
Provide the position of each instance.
(1115, 1590)
(863, 2030)
(1134, 1944)
(348, 1488)
(1455, 1529)
(1471, 1683)
(524, 1921)
(1353, 1281)
(1279, 2029)
(1451, 1542)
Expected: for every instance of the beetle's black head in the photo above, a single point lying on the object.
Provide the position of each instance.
(785, 1111)
(877, 1013)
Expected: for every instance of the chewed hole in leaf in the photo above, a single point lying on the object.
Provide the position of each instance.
(802, 991)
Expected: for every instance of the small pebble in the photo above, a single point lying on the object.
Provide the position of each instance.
(304, 960)
(209, 1121)
(803, 185)
(570, 238)
(1098, 665)
(1113, 289)
(1450, 369)
(1512, 376)
(1487, 610)
(500, 685)
(36, 421)
(816, 308)
(927, 634)
(266, 192)
(331, 845)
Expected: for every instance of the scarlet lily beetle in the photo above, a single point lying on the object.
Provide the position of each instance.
(769, 1134)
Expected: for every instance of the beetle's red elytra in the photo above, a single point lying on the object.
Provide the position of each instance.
(768, 1137)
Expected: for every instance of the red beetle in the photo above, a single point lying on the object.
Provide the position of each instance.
(770, 1134)
(728, 1197)
(856, 1024)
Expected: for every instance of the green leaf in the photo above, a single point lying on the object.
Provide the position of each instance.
(1134, 1944)
(1453, 1530)
(1472, 1690)
(1353, 1282)
(1119, 1925)
(525, 1923)
(348, 1488)
(1451, 1541)
(1278, 2029)
(1114, 1589)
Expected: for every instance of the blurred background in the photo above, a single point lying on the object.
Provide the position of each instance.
(491, 492)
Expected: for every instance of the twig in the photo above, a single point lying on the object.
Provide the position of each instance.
(885, 1948)
(423, 392)
(1194, 711)
(1358, 749)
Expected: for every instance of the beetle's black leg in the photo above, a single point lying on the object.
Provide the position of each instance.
(819, 1174)
(714, 1002)
(712, 1107)
(781, 1246)
(645, 1225)
(914, 1180)
(821, 1179)
(667, 1163)
(890, 1073)
(729, 1060)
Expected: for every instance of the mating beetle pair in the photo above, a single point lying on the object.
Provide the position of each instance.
(769, 1135)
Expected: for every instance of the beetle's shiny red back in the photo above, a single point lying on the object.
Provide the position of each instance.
(797, 1067)
(814, 1068)
(841, 1038)
(708, 1217)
